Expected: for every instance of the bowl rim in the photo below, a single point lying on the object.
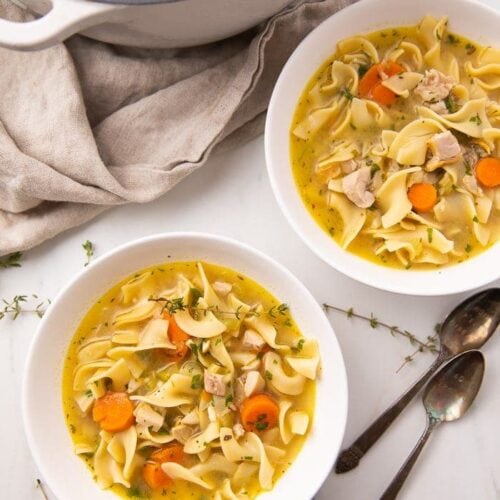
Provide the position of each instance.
(478, 270)
(29, 425)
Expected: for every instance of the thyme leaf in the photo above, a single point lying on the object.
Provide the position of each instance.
(12, 260)
(17, 305)
(422, 346)
(88, 246)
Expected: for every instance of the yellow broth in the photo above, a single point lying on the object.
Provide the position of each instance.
(99, 319)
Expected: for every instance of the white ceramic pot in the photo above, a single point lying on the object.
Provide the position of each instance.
(467, 17)
(167, 23)
(48, 437)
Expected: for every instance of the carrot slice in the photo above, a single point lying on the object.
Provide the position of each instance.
(487, 171)
(259, 413)
(114, 412)
(422, 196)
(152, 472)
(383, 95)
(170, 453)
(154, 476)
(369, 80)
(370, 85)
(177, 336)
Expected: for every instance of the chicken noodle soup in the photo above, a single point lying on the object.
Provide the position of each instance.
(395, 146)
(189, 380)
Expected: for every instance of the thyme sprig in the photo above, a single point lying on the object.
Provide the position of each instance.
(13, 308)
(174, 305)
(39, 485)
(88, 246)
(11, 260)
(429, 345)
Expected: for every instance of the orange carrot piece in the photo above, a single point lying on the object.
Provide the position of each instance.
(177, 336)
(154, 476)
(487, 171)
(422, 196)
(114, 412)
(259, 413)
(369, 80)
(370, 85)
(170, 453)
(152, 471)
(383, 95)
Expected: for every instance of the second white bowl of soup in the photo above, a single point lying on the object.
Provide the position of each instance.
(383, 144)
(185, 365)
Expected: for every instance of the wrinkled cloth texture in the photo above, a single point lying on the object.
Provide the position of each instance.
(85, 125)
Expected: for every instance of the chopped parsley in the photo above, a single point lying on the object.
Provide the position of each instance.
(195, 296)
(476, 119)
(362, 69)
(345, 92)
(468, 248)
(452, 39)
(429, 234)
(374, 168)
(196, 382)
(261, 426)
(469, 48)
(269, 375)
(299, 346)
(475, 219)
(450, 104)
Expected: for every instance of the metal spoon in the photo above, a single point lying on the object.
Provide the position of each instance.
(467, 327)
(447, 397)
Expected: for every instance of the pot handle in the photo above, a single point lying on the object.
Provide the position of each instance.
(64, 19)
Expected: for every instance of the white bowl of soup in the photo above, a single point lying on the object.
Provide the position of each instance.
(382, 144)
(184, 364)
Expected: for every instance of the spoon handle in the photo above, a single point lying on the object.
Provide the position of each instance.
(350, 457)
(393, 489)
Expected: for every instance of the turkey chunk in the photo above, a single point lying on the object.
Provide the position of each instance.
(435, 86)
(445, 147)
(355, 187)
(214, 384)
(252, 340)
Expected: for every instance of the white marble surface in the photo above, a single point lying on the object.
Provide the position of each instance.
(232, 196)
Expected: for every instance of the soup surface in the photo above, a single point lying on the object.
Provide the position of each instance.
(189, 380)
(395, 146)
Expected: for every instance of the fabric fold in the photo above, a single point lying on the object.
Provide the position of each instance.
(85, 126)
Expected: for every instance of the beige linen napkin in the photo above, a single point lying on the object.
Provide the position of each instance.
(85, 125)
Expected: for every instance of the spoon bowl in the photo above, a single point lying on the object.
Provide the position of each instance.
(467, 327)
(447, 397)
(471, 323)
(453, 389)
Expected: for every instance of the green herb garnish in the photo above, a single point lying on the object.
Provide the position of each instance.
(195, 295)
(12, 260)
(261, 426)
(450, 104)
(476, 119)
(299, 346)
(196, 381)
(88, 246)
(469, 48)
(345, 92)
